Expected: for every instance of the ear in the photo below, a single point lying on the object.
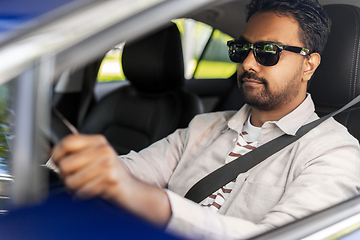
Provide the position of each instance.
(310, 65)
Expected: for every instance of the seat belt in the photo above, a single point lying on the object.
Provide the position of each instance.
(227, 173)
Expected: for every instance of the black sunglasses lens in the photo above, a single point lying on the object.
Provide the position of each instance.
(267, 54)
(238, 52)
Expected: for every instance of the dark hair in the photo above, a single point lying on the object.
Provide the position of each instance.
(312, 18)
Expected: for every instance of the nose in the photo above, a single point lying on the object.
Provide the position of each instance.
(250, 63)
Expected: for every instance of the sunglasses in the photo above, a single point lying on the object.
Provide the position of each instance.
(266, 53)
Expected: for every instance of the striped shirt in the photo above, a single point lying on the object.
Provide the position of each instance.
(246, 141)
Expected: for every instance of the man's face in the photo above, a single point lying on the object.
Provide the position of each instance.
(272, 87)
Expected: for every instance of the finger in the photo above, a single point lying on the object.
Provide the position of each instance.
(77, 160)
(74, 143)
(101, 161)
(110, 188)
(92, 188)
(101, 178)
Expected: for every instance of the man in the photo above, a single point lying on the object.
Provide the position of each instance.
(317, 171)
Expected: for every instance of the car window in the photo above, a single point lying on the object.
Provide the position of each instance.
(6, 138)
(5, 126)
(110, 68)
(204, 49)
(215, 62)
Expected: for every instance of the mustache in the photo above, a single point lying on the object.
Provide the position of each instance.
(251, 75)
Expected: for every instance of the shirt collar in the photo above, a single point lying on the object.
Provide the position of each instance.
(237, 121)
(289, 124)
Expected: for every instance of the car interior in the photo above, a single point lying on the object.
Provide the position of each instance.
(337, 75)
(155, 102)
(156, 98)
(336, 81)
(159, 100)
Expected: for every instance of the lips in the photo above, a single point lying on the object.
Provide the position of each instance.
(251, 81)
(250, 78)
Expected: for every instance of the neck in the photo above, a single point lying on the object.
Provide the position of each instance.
(259, 117)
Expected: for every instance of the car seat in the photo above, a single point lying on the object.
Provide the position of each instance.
(155, 103)
(74, 100)
(336, 81)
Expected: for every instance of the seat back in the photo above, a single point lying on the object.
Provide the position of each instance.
(336, 81)
(73, 94)
(154, 104)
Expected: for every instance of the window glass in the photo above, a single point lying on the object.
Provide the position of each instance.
(7, 115)
(215, 62)
(199, 40)
(194, 36)
(6, 126)
(110, 68)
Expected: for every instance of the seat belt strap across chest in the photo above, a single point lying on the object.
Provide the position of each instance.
(227, 173)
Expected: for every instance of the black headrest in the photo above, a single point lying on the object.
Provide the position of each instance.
(155, 63)
(336, 81)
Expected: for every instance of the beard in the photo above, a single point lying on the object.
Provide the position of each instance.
(262, 97)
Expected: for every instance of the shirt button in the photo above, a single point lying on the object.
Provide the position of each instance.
(235, 139)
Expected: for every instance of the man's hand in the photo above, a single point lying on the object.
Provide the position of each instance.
(90, 167)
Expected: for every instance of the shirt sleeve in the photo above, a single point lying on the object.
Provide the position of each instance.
(156, 163)
(192, 221)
